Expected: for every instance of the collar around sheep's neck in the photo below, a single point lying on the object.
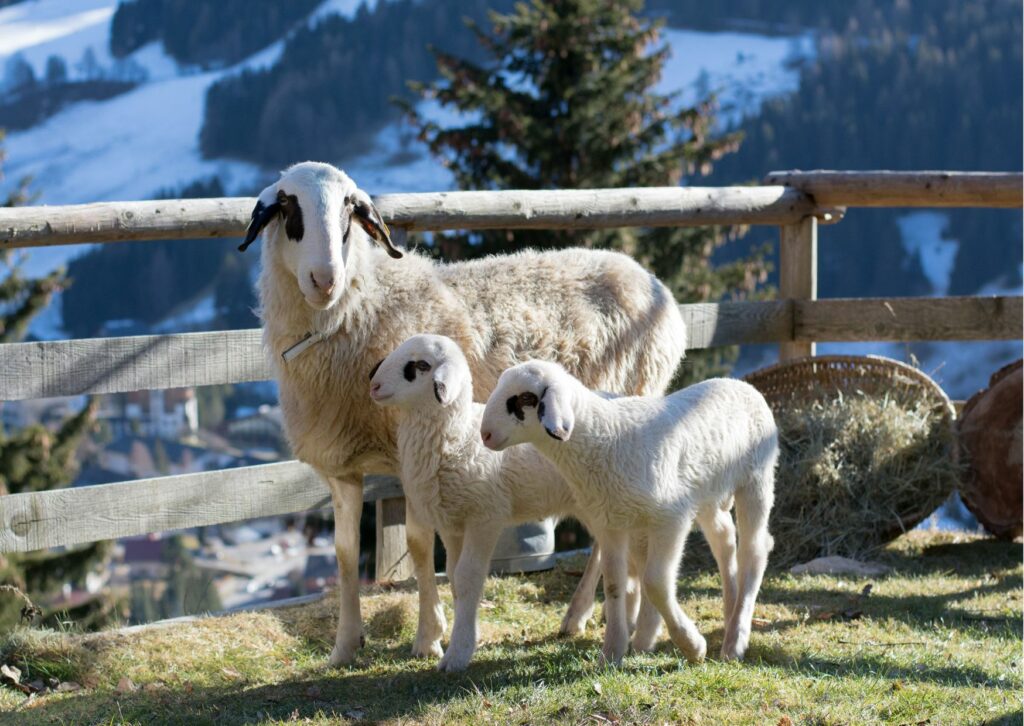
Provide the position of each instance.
(308, 341)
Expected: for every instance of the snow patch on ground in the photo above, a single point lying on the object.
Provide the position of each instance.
(743, 68)
(66, 28)
(923, 238)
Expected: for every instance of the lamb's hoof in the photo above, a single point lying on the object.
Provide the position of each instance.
(426, 649)
(644, 643)
(572, 627)
(611, 658)
(452, 663)
(696, 654)
(344, 653)
(734, 650)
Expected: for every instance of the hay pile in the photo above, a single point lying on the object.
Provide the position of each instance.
(855, 471)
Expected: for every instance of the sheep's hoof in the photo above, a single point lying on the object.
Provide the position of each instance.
(611, 658)
(344, 653)
(427, 649)
(734, 650)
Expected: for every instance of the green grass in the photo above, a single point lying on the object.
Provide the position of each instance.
(939, 641)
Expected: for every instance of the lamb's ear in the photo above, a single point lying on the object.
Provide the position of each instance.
(446, 383)
(555, 413)
(265, 210)
(369, 219)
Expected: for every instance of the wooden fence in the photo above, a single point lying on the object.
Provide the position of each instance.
(796, 202)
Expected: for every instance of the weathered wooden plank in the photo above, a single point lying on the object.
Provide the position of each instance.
(393, 563)
(906, 189)
(552, 209)
(113, 365)
(798, 275)
(915, 318)
(116, 365)
(87, 514)
(710, 325)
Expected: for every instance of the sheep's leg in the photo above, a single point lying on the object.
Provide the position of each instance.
(470, 574)
(648, 622)
(719, 531)
(432, 623)
(347, 502)
(582, 605)
(753, 504)
(615, 571)
(634, 569)
(665, 550)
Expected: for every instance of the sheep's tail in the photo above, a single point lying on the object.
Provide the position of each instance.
(754, 500)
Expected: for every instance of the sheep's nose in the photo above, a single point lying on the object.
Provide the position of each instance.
(374, 388)
(325, 283)
(486, 436)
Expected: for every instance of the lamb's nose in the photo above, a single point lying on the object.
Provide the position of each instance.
(374, 388)
(325, 283)
(485, 435)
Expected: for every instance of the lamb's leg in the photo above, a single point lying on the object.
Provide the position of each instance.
(615, 572)
(582, 605)
(753, 504)
(420, 539)
(347, 501)
(470, 574)
(719, 531)
(452, 549)
(648, 622)
(665, 549)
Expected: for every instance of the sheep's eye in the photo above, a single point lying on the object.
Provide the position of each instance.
(282, 198)
(527, 399)
(422, 365)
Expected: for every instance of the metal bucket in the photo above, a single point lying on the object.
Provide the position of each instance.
(525, 548)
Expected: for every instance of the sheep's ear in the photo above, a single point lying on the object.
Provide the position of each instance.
(265, 210)
(369, 219)
(555, 413)
(445, 383)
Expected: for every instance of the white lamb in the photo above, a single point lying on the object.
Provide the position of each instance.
(452, 482)
(333, 298)
(651, 465)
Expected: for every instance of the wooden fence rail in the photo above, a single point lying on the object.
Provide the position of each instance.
(118, 365)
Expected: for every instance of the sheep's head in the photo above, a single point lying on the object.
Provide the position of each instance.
(530, 402)
(313, 215)
(424, 371)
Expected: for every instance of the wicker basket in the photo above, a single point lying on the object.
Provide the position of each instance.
(809, 525)
(814, 377)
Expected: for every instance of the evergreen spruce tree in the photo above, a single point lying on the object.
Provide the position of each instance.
(567, 100)
(36, 459)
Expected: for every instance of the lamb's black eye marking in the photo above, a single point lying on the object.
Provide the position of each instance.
(374, 371)
(412, 366)
(293, 226)
(540, 406)
(515, 404)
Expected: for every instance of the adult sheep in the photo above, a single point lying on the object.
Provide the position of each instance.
(335, 297)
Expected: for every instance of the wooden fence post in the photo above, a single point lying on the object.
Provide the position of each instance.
(393, 561)
(798, 274)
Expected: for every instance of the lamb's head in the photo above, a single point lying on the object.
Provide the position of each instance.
(530, 402)
(313, 215)
(423, 372)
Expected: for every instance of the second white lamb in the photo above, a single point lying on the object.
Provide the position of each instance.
(651, 466)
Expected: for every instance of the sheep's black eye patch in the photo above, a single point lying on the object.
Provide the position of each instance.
(412, 366)
(293, 226)
(374, 371)
(515, 404)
